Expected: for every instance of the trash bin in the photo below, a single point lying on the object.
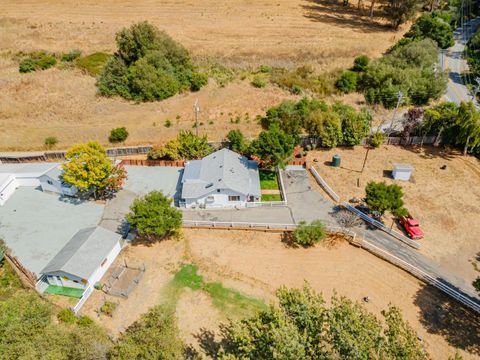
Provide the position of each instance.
(336, 160)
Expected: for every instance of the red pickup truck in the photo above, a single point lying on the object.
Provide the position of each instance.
(412, 227)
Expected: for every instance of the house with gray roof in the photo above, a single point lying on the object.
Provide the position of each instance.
(52, 181)
(223, 179)
(83, 260)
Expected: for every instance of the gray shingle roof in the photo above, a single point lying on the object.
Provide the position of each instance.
(84, 252)
(224, 169)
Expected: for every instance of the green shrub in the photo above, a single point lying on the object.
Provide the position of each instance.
(27, 65)
(149, 65)
(307, 235)
(67, 316)
(197, 81)
(237, 141)
(296, 90)
(265, 69)
(382, 197)
(71, 55)
(326, 126)
(360, 63)
(259, 81)
(347, 82)
(108, 308)
(167, 123)
(93, 64)
(46, 62)
(39, 60)
(433, 27)
(51, 141)
(84, 321)
(377, 139)
(118, 135)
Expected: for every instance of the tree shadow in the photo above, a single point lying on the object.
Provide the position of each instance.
(288, 240)
(432, 152)
(333, 12)
(440, 315)
(207, 342)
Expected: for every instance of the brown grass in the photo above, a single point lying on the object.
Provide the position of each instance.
(446, 202)
(62, 103)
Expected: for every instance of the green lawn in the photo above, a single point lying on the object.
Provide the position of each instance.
(271, 197)
(65, 291)
(268, 180)
(231, 302)
(93, 63)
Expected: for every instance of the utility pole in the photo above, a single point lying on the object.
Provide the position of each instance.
(196, 110)
(399, 100)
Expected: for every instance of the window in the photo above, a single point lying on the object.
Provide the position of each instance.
(234, 198)
(218, 190)
(50, 182)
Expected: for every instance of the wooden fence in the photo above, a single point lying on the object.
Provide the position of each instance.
(28, 278)
(137, 162)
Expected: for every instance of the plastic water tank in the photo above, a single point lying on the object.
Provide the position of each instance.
(336, 160)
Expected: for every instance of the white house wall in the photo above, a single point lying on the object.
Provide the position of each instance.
(56, 186)
(220, 200)
(7, 189)
(101, 270)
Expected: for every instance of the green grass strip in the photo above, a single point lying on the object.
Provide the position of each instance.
(268, 180)
(271, 197)
(65, 291)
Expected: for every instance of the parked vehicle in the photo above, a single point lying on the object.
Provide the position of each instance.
(412, 227)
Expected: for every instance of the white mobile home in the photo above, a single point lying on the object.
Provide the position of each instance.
(223, 179)
(52, 181)
(84, 259)
(13, 176)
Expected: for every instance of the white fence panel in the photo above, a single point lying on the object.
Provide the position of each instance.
(82, 300)
(324, 185)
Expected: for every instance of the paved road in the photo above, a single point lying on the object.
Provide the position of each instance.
(452, 60)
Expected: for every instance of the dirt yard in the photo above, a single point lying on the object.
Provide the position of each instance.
(257, 263)
(446, 202)
(63, 103)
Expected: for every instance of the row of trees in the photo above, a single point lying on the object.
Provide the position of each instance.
(410, 68)
(148, 65)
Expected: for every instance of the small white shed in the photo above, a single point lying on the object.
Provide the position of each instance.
(402, 172)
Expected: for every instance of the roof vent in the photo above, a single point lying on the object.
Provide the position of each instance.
(208, 185)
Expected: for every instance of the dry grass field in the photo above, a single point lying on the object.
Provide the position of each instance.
(256, 263)
(446, 202)
(63, 103)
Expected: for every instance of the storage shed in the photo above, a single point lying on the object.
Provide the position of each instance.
(402, 172)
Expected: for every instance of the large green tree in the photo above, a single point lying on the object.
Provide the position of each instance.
(89, 169)
(154, 217)
(400, 11)
(273, 146)
(237, 142)
(433, 27)
(382, 197)
(326, 126)
(148, 65)
(153, 336)
(469, 123)
(304, 327)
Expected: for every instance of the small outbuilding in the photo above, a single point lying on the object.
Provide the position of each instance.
(402, 172)
(83, 260)
(52, 181)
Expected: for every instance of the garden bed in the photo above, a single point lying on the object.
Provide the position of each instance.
(65, 291)
(271, 197)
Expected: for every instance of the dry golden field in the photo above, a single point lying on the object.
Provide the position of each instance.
(63, 103)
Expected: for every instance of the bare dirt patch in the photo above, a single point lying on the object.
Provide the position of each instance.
(446, 202)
